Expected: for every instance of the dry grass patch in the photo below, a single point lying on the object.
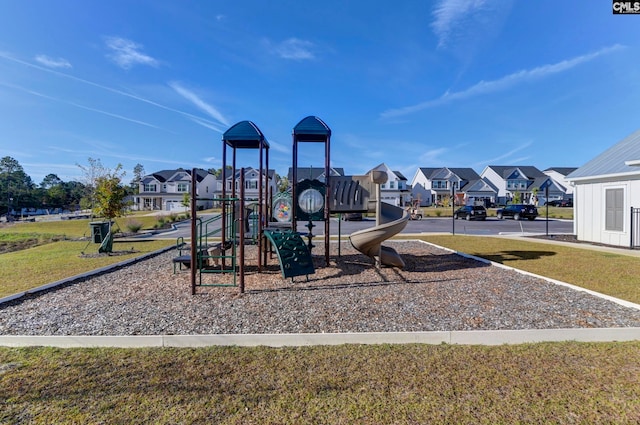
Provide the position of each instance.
(533, 383)
(610, 274)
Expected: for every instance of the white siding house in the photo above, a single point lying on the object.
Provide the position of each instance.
(251, 180)
(559, 175)
(165, 190)
(395, 191)
(605, 191)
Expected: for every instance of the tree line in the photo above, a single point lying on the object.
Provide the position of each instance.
(18, 190)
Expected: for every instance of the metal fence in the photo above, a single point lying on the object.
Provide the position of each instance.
(635, 228)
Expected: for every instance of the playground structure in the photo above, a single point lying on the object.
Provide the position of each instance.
(390, 220)
(274, 218)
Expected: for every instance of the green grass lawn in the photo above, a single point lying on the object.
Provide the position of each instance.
(607, 273)
(54, 252)
(30, 268)
(563, 383)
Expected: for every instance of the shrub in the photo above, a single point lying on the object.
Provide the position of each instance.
(438, 213)
(133, 226)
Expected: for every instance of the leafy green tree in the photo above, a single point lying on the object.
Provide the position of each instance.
(74, 192)
(138, 174)
(283, 184)
(50, 180)
(15, 185)
(186, 200)
(517, 198)
(218, 172)
(110, 194)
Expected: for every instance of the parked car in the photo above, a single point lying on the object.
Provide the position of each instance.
(560, 203)
(471, 212)
(356, 216)
(518, 212)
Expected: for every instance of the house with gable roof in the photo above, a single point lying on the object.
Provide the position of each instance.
(165, 190)
(432, 185)
(525, 181)
(395, 190)
(606, 197)
(559, 175)
(251, 183)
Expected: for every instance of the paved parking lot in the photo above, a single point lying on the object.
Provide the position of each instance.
(491, 226)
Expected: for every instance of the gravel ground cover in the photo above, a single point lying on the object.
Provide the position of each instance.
(436, 291)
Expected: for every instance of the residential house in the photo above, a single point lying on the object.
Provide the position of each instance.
(165, 190)
(251, 180)
(607, 195)
(559, 174)
(524, 182)
(431, 186)
(395, 191)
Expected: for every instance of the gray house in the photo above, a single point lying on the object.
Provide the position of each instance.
(432, 185)
(607, 195)
(525, 181)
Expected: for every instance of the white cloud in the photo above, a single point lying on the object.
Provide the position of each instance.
(199, 120)
(451, 15)
(506, 82)
(78, 105)
(199, 103)
(208, 124)
(126, 53)
(432, 156)
(279, 147)
(507, 156)
(53, 62)
(296, 49)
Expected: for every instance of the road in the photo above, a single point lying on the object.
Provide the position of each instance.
(491, 226)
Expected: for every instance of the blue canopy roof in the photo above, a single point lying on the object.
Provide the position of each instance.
(311, 129)
(245, 135)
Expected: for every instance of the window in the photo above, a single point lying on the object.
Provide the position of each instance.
(614, 210)
(439, 184)
(149, 187)
(183, 187)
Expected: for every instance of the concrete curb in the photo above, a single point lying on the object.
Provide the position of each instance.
(486, 337)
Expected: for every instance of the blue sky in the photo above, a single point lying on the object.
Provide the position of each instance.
(457, 83)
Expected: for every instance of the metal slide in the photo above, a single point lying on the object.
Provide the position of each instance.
(369, 241)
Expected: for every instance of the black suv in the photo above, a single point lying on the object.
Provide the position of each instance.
(471, 212)
(518, 212)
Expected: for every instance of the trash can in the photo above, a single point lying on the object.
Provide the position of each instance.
(99, 230)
